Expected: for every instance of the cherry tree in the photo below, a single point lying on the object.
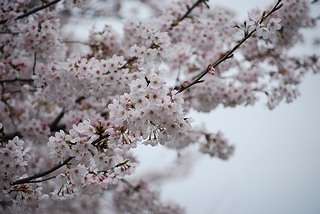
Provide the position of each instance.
(73, 109)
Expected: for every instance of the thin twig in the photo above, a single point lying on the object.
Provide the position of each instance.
(16, 80)
(38, 181)
(42, 174)
(10, 136)
(190, 9)
(76, 42)
(129, 62)
(95, 142)
(130, 185)
(34, 63)
(229, 54)
(8, 32)
(187, 13)
(54, 125)
(56, 167)
(32, 11)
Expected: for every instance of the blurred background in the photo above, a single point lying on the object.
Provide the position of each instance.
(276, 165)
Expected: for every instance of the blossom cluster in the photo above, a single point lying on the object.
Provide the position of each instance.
(140, 199)
(11, 10)
(13, 161)
(80, 139)
(216, 145)
(149, 113)
(93, 166)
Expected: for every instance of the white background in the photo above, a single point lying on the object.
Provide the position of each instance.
(276, 165)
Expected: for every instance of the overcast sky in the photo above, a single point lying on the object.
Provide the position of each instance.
(276, 165)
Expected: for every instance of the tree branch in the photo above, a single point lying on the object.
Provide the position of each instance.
(15, 80)
(34, 63)
(54, 125)
(76, 42)
(130, 185)
(187, 13)
(229, 54)
(190, 9)
(10, 136)
(28, 179)
(32, 11)
(42, 180)
(8, 32)
(56, 167)
(95, 142)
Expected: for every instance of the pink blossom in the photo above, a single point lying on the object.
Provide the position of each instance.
(274, 25)
(75, 105)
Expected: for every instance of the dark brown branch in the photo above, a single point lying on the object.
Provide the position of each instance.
(129, 62)
(56, 167)
(38, 181)
(32, 11)
(16, 80)
(42, 174)
(79, 99)
(8, 32)
(229, 54)
(190, 9)
(226, 56)
(76, 42)
(10, 136)
(187, 13)
(34, 63)
(95, 142)
(54, 125)
(130, 185)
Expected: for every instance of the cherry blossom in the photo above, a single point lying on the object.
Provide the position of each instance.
(74, 107)
(263, 32)
(274, 25)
